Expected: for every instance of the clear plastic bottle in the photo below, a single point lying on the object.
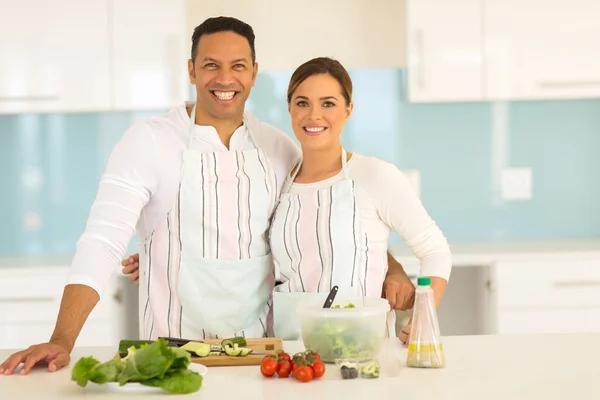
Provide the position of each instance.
(424, 347)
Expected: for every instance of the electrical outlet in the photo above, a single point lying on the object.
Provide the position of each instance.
(516, 184)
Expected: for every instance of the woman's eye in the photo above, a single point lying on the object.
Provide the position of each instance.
(328, 104)
(302, 103)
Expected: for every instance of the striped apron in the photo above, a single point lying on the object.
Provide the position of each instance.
(317, 243)
(207, 271)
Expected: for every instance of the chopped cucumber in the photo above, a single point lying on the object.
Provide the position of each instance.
(232, 350)
(240, 341)
(124, 345)
(200, 349)
(370, 371)
(245, 351)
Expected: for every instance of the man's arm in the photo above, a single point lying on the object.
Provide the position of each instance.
(77, 303)
(125, 188)
(397, 287)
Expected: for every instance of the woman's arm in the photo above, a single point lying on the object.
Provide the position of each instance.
(400, 208)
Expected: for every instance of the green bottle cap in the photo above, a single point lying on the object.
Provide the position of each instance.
(424, 281)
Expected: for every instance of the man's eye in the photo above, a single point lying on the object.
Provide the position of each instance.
(239, 66)
(210, 65)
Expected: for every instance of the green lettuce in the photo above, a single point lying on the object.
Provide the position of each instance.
(156, 364)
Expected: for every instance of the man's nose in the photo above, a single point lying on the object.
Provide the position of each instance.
(225, 77)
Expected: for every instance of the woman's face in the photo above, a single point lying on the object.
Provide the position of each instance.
(319, 112)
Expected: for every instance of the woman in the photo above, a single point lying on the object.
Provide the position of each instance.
(337, 209)
(332, 224)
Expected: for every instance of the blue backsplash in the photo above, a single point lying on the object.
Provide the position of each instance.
(51, 164)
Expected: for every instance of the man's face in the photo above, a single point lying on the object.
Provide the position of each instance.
(223, 74)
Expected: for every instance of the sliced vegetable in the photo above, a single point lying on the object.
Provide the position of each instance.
(240, 341)
(124, 345)
(200, 349)
(369, 371)
(245, 351)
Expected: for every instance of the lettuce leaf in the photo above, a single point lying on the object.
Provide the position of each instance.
(155, 364)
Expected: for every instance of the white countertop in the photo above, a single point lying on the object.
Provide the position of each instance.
(463, 254)
(548, 367)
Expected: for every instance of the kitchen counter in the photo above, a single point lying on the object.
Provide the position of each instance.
(463, 254)
(486, 254)
(511, 367)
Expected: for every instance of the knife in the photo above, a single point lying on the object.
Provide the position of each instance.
(178, 342)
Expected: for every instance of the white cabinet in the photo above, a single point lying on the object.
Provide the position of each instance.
(29, 303)
(445, 50)
(539, 49)
(54, 56)
(360, 34)
(557, 296)
(150, 49)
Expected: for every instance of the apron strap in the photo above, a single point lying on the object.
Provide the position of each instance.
(288, 184)
(193, 128)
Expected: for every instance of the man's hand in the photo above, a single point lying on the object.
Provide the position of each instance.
(397, 286)
(54, 355)
(132, 268)
(399, 291)
(405, 332)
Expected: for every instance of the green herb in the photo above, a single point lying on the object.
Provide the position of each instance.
(154, 364)
(350, 305)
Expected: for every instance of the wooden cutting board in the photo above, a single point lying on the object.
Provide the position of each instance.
(263, 345)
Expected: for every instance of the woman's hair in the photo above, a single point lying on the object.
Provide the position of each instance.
(318, 66)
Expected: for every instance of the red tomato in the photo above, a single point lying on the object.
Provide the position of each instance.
(268, 366)
(284, 357)
(319, 368)
(284, 369)
(304, 373)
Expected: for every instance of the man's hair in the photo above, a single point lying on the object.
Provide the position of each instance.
(223, 24)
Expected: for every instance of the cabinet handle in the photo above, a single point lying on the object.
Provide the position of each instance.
(567, 84)
(420, 56)
(7, 99)
(26, 299)
(575, 283)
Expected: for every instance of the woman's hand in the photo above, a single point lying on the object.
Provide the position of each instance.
(132, 268)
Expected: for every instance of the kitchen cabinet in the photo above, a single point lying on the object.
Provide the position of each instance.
(150, 48)
(445, 50)
(29, 304)
(538, 49)
(54, 56)
(360, 34)
(554, 296)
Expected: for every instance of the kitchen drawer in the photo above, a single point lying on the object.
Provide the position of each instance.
(549, 321)
(31, 283)
(23, 335)
(40, 309)
(547, 284)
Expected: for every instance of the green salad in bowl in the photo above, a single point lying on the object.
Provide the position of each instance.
(354, 330)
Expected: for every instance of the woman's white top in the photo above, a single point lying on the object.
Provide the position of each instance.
(387, 202)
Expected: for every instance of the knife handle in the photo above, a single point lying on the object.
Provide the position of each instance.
(329, 300)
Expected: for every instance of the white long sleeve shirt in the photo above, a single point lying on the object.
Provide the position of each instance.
(141, 181)
(388, 202)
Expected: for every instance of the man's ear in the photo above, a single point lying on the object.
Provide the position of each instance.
(192, 72)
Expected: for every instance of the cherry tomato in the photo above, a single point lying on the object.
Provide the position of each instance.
(284, 357)
(284, 369)
(268, 366)
(304, 373)
(319, 368)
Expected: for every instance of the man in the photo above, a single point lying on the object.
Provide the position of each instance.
(204, 177)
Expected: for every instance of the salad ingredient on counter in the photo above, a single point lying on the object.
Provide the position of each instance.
(152, 364)
(234, 347)
(303, 366)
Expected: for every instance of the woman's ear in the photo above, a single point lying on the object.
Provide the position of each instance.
(349, 109)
